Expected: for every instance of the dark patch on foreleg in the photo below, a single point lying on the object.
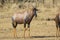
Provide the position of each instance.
(24, 28)
(29, 29)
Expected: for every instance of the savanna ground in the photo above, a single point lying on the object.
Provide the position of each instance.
(40, 28)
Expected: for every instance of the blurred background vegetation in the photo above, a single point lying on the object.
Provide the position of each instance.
(8, 7)
(23, 3)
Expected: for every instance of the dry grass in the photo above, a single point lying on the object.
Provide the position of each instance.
(40, 29)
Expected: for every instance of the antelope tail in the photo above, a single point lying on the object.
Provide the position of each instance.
(50, 19)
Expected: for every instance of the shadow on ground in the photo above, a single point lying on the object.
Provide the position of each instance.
(43, 36)
(30, 37)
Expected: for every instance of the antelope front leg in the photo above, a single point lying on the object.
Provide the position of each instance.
(29, 29)
(24, 31)
(29, 32)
